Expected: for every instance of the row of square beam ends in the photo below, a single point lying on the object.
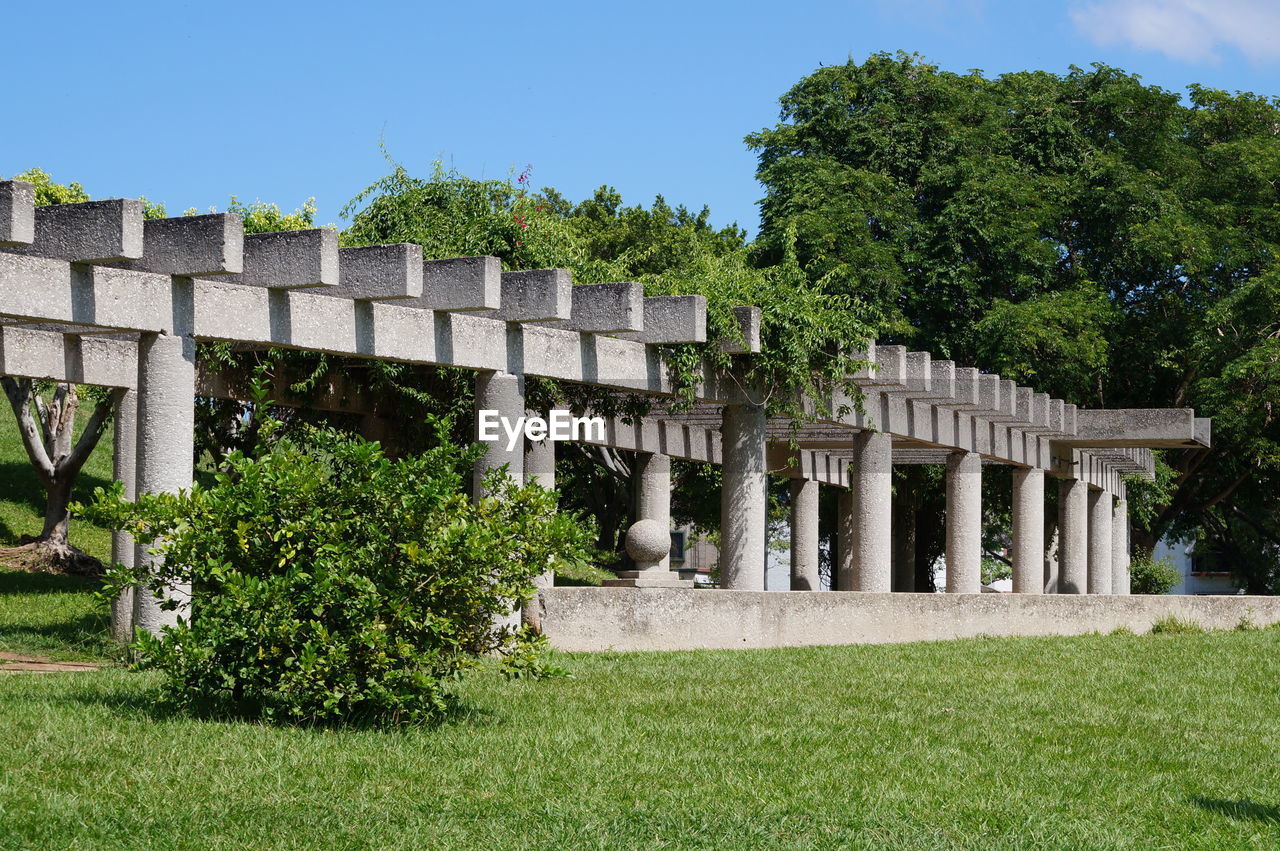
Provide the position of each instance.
(69, 272)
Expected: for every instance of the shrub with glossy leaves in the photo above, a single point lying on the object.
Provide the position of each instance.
(333, 583)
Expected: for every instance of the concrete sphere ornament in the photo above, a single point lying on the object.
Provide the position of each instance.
(648, 541)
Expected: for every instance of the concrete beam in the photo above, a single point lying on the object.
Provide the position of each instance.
(1157, 428)
(461, 283)
(374, 272)
(605, 308)
(297, 259)
(90, 232)
(17, 212)
(748, 319)
(51, 356)
(672, 319)
(535, 296)
(192, 246)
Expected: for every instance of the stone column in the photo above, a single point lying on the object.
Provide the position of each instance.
(846, 542)
(125, 471)
(872, 480)
(964, 523)
(804, 535)
(1028, 530)
(504, 393)
(540, 462)
(540, 470)
(1120, 547)
(653, 494)
(165, 448)
(1100, 542)
(1073, 536)
(743, 498)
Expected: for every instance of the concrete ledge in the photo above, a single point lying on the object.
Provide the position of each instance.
(585, 619)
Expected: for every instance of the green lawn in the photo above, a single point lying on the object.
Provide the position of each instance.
(1103, 741)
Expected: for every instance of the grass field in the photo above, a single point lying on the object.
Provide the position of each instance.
(1102, 741)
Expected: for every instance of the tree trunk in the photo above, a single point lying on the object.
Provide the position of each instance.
(56, 517)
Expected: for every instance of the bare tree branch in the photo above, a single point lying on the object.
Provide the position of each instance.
(20, 392)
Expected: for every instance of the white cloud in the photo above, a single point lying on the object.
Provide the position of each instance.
(1191, 30)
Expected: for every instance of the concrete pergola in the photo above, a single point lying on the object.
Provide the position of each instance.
(91, 293)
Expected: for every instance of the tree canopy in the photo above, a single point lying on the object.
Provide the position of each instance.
(1102, 239)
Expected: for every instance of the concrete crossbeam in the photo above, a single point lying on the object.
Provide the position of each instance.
(192, 246)
(461, 283)
(605, 308)
(1122, 427)
(17, 212)
(748, 319)
(372, 272)
(672, 319)
(535, 296)
(51, 356)
(1033, 410)
(89, 232)
(290, 259)
(49, 290)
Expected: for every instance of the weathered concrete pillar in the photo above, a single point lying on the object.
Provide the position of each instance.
(1100, 542)
(653, 494)
(743, 498)
(540, 462)
(1073, 536)
(125, 471)
(504, 393)
(846, 541)
(872, 480)
(804, 535)
(964, 523)
(165, 448)
(1028, 530)
(1120, 547)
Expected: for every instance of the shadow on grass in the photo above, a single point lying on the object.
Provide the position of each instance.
(19, 484)
(153, 705)
(1241, 810)
(22, 582)
(87, 632)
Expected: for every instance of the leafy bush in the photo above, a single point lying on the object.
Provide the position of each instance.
(1149, 576)
(332, 583)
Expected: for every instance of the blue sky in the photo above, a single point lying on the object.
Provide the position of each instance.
(188, 103)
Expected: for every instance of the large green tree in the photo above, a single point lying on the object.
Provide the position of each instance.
(1109, 241)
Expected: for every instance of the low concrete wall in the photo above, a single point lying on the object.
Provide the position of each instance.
(686, 619)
